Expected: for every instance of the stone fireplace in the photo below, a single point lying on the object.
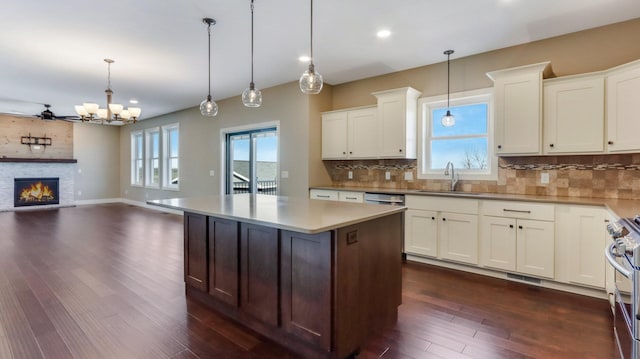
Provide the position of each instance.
(36, 191)
(12, 169)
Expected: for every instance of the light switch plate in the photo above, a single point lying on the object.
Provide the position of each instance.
(284, 174)
(350, 175)
(212, 173)
(544, 178)
(408, 176)
(387, 175)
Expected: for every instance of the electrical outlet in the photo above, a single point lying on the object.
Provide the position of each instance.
(408, 176)
(544, 178)
(212, 173)
(387, 175)
(284, 174)
(350, 175)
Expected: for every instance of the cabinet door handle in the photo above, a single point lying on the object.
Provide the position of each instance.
(515, 210)
(551, 145)
(350, 152)
(519, 227)
(444, 219)
(433, 218)
(344, 153)
(610, 142)
(400, 150)
(511, 226)
(499, 146)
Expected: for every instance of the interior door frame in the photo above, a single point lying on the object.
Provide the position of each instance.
(245, 128)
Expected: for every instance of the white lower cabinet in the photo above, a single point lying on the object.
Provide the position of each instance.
(582, 237)
(333, 195)
(518, 237)
(458, 237)
(445, 228)
(421, 232)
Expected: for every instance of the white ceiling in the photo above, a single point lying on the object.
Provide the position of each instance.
(52, 51)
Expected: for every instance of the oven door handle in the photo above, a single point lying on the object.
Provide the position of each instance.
(611, 258)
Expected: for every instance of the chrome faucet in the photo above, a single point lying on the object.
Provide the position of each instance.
(454, 176)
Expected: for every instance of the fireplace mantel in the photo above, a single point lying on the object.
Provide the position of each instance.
(38, 160)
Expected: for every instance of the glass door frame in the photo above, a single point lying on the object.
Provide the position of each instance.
(226, 173)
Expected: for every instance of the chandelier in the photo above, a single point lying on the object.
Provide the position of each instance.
(91, 112)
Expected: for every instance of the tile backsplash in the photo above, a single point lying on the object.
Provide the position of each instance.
(600, 176)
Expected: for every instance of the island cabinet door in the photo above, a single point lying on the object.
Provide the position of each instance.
(306, 286)
(195, 250)
(223, 260)
(259, 264)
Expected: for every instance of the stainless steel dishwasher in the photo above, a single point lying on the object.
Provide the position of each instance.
(384, 198)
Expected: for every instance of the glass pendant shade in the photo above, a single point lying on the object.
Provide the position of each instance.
(311, 81)
(208, 107)
(125, 115)
(91, 107)
(102, 113)
(448, 120)
(116, 108)
(134, 111)
(252, 97)
(80, 110)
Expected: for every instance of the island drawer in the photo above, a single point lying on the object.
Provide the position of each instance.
(323, 194)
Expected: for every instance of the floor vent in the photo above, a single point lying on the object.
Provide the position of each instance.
(523, 278)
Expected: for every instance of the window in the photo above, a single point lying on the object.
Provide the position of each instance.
(170, 153)
(252, 161)
(468, 144)
(152, 155)
(137, 159)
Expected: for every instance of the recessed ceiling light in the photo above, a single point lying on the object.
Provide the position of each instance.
(304, 58)
(383, 34)
(133, 101)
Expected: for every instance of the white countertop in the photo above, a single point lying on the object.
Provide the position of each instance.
(291, 213)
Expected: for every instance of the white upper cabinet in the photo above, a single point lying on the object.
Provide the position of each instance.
(350, 133)
(397, 114)
(574, 114)
(623, 107)
(518, 109)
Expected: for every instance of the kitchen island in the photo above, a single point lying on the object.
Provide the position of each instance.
(318, 277)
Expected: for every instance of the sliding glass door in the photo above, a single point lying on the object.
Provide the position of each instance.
(252, 162)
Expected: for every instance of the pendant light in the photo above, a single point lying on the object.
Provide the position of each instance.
(208, 107)
(311, 80)
(252, 97)
(448, 120)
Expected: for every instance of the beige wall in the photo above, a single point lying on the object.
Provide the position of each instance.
(586, 51)
(200, 142)
(97, 149)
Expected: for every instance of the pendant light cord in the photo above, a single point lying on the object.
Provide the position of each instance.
(311, 24)
(448, 78)
(209, 32)
(251, 42)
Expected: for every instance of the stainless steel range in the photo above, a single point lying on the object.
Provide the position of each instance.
(624, 255)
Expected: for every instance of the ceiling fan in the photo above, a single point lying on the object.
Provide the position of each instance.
(20, 108)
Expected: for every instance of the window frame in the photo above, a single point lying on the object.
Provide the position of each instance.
(148, 133)
(166, 156)
(426, 105)
(135, 157)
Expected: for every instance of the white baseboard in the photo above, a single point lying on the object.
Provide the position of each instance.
(87, 202)
(145, 205)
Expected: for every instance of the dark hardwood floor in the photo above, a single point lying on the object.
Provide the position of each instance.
(106, 281)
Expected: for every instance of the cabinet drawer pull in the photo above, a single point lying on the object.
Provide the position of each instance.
(610, 142)
(515, 210)
(323, 196)
(433, 218)
(444, 219)
(519, 227)
(352, 198)
(511, 226)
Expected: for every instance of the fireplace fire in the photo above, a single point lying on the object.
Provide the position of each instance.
(36, 191)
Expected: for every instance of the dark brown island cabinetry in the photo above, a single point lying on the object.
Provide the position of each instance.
(320, 294)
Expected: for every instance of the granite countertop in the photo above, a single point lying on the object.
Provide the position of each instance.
(618, 207)
(290, 213)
